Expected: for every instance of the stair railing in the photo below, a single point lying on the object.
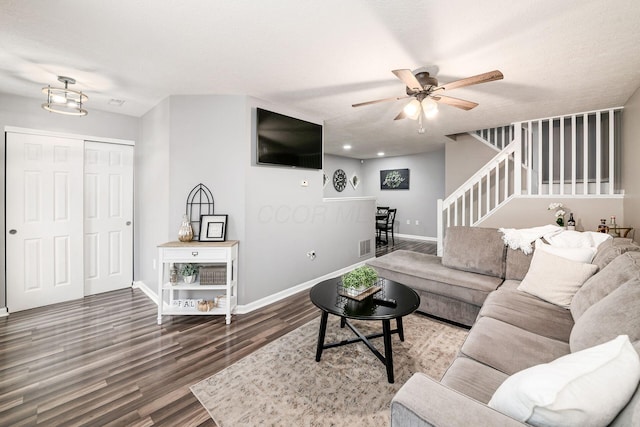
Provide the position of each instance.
(571, 155)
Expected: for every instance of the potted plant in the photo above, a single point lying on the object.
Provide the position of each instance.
(359, 280)
(188, 272)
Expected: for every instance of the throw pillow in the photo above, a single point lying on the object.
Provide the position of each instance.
(586, 388)
(585, 254)
(555, 279)
(616, 314)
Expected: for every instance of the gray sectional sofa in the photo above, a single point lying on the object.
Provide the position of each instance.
(453, 287)
(475, 283)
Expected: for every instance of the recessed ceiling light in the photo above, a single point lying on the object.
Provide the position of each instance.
(380, 153)
(346, 147)
(117, 102)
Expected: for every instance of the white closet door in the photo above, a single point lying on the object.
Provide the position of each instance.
(108, 216)
(43, 220)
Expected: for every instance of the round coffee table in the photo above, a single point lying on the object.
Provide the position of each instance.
(325, 295)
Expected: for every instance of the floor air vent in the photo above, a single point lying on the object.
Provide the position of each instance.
(365, 248)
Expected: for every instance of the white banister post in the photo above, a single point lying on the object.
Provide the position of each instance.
(598, 152)
(612, 168)
(440, 230)
(517, 161)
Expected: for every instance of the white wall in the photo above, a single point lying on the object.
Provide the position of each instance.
(630, 161)
(419, 202)
(26, 113)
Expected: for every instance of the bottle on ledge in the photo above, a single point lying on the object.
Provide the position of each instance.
(602, 228)
(571, 223)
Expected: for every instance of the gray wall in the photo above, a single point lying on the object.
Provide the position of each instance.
(152, 177)
(350, 166)
(277, 221)
(464, 156)
(419, 203)
(26, 112)
(630, 159)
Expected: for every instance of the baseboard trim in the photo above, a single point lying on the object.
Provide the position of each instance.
(4, 312)
(153, 296)
(411, 236)
(248, 308)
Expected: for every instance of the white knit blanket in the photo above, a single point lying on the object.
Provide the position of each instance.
(523, 237)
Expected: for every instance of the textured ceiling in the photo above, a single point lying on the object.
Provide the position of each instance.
(319, 57)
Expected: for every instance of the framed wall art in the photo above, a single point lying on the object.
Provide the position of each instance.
(354, 180)
(213, 228)
(394, 179)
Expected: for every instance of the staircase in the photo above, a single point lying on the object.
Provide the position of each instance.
(572, 155)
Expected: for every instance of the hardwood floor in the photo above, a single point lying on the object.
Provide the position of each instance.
(103, 360)
(409, 245)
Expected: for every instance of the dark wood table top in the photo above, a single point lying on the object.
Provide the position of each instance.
(326, 297)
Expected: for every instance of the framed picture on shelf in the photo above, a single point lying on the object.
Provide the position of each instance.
(213, 228)
(394, 179)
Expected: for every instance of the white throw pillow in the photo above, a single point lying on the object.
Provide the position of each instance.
(586, 388)
(555, 279)
(585, 254)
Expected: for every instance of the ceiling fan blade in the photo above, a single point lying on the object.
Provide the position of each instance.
(408, 79)
(455, 102)
(401, 115)
(474, 80)
(393, 98)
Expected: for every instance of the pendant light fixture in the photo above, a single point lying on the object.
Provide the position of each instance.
(65, 101)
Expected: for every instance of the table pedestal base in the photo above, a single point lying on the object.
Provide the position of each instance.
(387, 359)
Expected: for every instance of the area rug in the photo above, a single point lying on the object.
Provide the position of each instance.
(281, 384)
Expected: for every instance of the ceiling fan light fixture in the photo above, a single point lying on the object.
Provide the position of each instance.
(412, 109)
(430, 107)
(64, 100)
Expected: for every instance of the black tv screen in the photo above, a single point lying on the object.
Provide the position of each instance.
(285, 141)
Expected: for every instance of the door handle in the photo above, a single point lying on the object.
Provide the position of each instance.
(128, 222)
(13, 231)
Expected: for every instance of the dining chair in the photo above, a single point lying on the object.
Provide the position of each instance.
(386, 227)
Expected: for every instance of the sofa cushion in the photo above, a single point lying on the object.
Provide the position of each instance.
(585, 254)
(517, 264)
(616, 314)
(611, 248)
(622, 269)
(579, 389)
(528, 312)
(555, 279)
(473, 378)
(425, 272)
(474, 249)
(508, 348)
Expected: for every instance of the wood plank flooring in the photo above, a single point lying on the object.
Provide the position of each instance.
(103, 360)
(409, 245)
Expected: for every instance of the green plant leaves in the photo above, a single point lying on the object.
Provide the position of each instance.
(364, 276)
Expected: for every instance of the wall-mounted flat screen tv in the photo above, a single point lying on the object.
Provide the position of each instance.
(286, 141)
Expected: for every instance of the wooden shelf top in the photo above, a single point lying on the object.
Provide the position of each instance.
(195, 243)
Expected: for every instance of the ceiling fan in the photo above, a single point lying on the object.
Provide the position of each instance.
(427, 93)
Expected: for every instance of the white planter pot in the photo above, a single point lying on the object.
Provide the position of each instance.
(189, 279)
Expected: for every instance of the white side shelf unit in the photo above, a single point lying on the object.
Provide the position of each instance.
(207, 253)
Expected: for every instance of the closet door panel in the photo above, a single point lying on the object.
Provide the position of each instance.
(108, 217)
(44, 224)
